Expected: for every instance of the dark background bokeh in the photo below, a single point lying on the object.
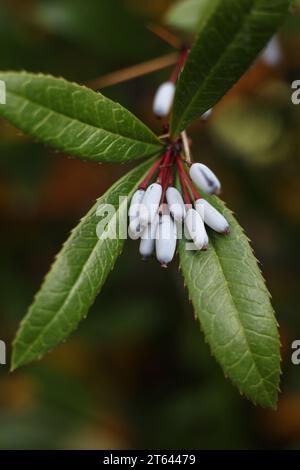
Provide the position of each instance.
(137, 373)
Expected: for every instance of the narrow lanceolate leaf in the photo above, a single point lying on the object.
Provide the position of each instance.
(77, 274)
(227, 44)
(75, 119)
(234, 309)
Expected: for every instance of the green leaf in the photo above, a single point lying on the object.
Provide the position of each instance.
(77, 275)
(234, 309)
(74, 119)
(188, 15)
(227, 44)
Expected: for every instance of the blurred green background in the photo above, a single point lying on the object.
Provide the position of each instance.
(137, 373)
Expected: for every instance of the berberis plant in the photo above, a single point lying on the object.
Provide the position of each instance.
(223, 280)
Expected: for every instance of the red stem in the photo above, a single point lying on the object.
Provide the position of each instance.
(162, 170)
(166, 171)
(170, 180)
(149, 176)
(182, 181)
(180, 64)
(186, 177)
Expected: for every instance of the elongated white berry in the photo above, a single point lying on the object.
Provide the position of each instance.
(206, 240)
(163, 99)
(195, 228)
(166, 239)
(212, 216)
(135, 203)
(207, 114)
(147, 244)
(150, 203)
(205, 178)
(135, 229)
(272, 53)
(175, 204)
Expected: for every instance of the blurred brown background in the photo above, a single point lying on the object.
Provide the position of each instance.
(137, 373)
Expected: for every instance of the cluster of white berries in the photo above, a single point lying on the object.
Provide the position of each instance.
(159, 211)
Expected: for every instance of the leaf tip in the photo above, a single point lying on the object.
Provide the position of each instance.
(273, 405)
(14, 365)
(271, 402)
(18, 358)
